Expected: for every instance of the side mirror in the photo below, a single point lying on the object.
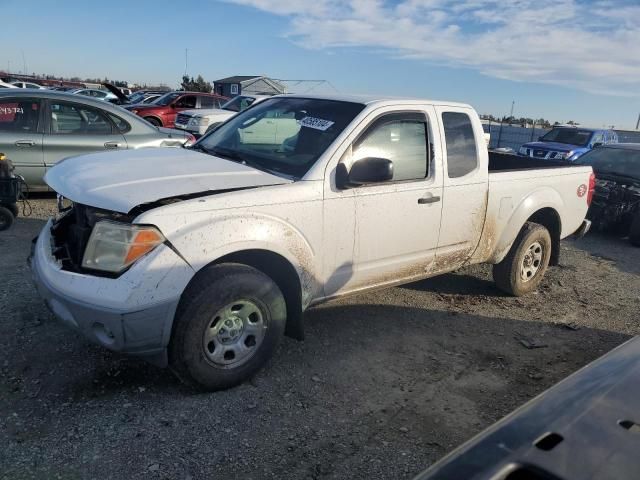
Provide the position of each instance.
(363, 172)
(597, 144)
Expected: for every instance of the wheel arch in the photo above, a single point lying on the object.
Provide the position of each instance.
(282, 272)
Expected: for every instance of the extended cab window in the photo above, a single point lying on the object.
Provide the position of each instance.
(462, 155)
(70, 118)
(19, 115)
(401, 138)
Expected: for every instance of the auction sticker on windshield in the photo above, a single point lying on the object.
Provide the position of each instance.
(315, 123)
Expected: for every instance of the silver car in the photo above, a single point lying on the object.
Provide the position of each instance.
(41, 127)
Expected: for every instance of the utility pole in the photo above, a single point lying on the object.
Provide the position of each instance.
(24, 63)
(186, 61)
(513, 102)
(638, 122)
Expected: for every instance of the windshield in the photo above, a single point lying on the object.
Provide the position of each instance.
(136, 98)
(238, 103)
(615, 161)
(167, 98)
(281, 135)
(570, 136)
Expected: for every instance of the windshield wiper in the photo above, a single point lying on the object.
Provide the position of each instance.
(228, 154)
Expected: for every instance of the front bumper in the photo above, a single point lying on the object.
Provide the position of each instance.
(195, 131)
(130, 314)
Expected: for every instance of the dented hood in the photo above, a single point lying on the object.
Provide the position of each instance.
(120, 181)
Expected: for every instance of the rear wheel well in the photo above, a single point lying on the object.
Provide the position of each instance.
(283, 273)
(549, 218)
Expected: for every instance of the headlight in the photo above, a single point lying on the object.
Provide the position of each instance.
(113, 246)
(564, 155)
(199, 122)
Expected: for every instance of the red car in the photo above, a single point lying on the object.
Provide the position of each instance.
(162, 112)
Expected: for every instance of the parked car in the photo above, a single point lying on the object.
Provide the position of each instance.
(144, 97)
(95, 93)
(28, 85)
(199, 122)
(6, 85)
(616, 201)
(162, 112)
(201, 258)
(567, 143)
(38, 128)
(62, 88)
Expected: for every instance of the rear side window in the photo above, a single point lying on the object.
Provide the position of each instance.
(208, 102)
(462, 155)
(188, 101)
(19, 115)
(121, 125)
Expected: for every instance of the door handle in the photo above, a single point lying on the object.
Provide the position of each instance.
(25, 143)
(111, 145)
(431, 199)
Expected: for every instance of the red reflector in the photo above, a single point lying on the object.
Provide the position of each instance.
(592, 188)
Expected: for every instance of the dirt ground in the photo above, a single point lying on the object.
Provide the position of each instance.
(385, 384)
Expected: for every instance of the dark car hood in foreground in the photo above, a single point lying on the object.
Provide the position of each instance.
(120, 181)
(583, 428)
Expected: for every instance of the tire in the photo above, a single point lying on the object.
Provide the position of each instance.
(634, 231)
(153, 121)
(523, 268)
(13, 208)
(6, 218)
(227, 326)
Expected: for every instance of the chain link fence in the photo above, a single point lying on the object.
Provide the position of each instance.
(509, 135)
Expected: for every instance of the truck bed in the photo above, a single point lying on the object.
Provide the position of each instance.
(499, 162)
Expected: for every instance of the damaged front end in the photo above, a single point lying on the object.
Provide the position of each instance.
(71, 230)
(615, 204)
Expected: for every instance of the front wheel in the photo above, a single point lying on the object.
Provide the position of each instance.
(634, 232)
(522, 269)
(227, 326)
(6, 218)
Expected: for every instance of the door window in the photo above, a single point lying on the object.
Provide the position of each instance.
(188, 101)
(401, 138)
(462, 155)
(69, 118)
(19, 115)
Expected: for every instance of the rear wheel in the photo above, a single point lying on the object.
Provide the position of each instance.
(153, 121)
(634, 232)
(6, 218)
(523, 268)
(228, 324)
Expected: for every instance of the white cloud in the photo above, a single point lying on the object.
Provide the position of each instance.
(591, 46)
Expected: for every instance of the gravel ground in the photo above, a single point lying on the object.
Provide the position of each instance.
(385, 384)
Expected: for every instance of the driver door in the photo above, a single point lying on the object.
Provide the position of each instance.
(396, 223)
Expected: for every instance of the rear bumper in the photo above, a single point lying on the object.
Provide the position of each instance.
(583, 230)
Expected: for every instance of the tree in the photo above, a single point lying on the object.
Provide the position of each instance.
(197, 85)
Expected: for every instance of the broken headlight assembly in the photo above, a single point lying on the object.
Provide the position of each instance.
(114, 246)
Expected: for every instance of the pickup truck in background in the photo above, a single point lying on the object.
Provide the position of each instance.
(199, 122)
(202, 258)
(567, 143)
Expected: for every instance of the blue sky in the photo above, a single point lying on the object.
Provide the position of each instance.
(558, 59)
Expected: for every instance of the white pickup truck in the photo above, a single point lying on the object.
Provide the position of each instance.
(201, 258)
